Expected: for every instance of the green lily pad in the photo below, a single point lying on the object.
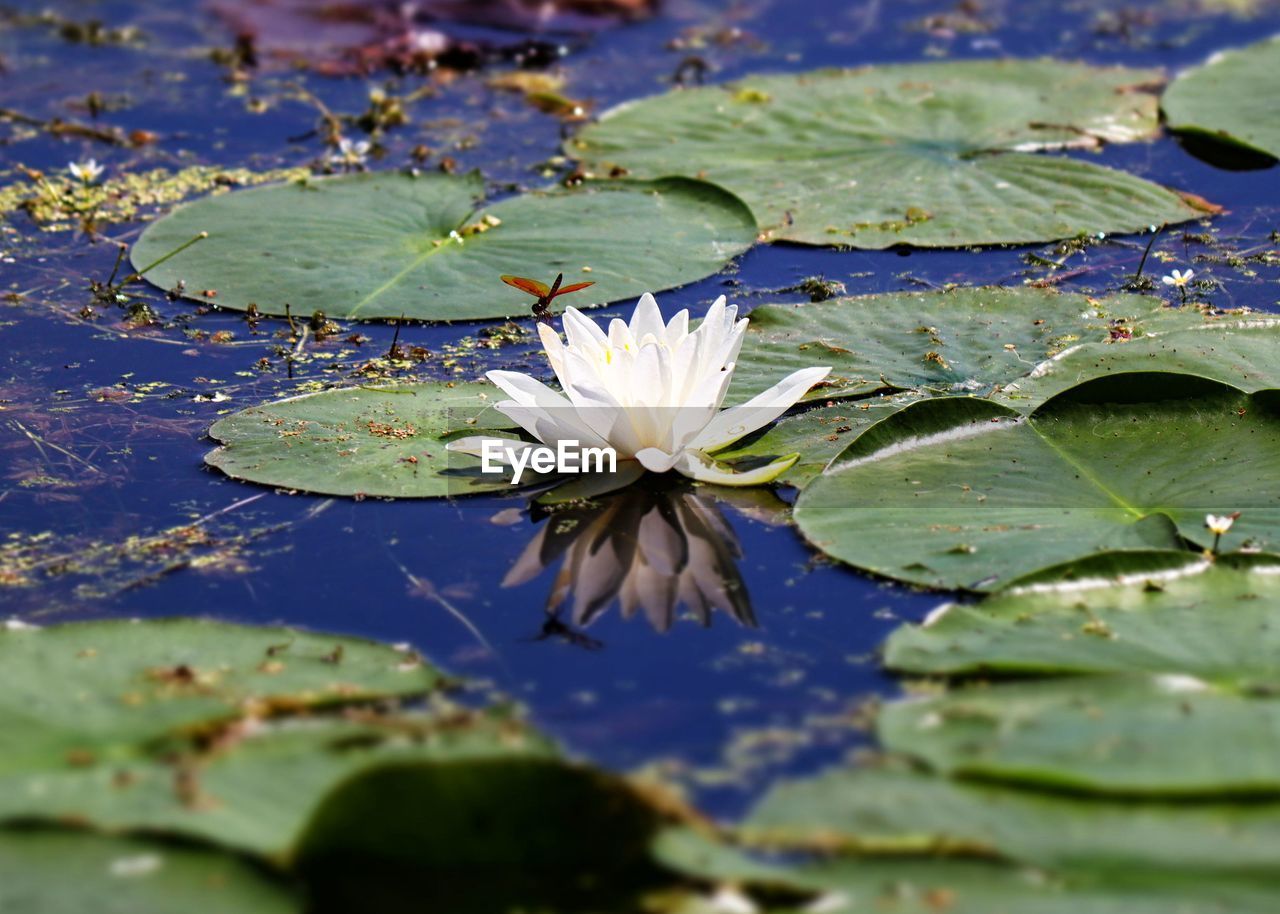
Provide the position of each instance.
(1231, 98)
(935, 155)
(1161, 613)
(963, 493)
(479, 837)
(332, 799)
(1238, 350)
(98, 693)
(220, 733)
(896, 812)
(964, 340)
(1182, 696)
(376, 441)
(816, 435)
(503, 808)
(226, 797)
(384, 245)
(927, 886)
(54, 872)
(1126, 734)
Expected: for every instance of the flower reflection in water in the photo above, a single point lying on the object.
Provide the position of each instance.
(653, 550)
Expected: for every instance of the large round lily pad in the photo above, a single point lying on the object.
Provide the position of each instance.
(378, 441)
(386, 244)
(963, 340)
(964, 493)
(934, 155)
(1231, 98)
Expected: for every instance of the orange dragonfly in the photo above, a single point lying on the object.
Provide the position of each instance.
(544, 295)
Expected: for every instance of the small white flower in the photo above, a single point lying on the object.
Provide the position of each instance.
(1219, 525)
(650, 391)
(86, 172)
(350, 154)
(1178, 278)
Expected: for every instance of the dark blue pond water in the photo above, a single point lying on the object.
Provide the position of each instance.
(93, 452)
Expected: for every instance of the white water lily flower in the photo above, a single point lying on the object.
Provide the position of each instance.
(1219, 525)
(650, 391)
(350, 154)
(1178, 278)
(86, 172)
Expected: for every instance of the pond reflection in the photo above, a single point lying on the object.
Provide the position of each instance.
(653, 549)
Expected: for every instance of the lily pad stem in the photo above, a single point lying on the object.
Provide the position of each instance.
(1150, 244)
(176, 251)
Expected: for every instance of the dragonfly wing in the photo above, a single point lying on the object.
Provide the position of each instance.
(530, 286)
(574, 287)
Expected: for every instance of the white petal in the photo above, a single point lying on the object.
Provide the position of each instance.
(551, 427)
(677, 328)
(699, 411)
(542, 412)
(646, 320)
(618, 333)
(738, 334)
(597, 407)
(583, 384)
(684, 368)
(714, 320)
(760, 410)
(527, 391)
(581, 330)
(555, 350)
(697, 465)
(651, 376)
(655, 460)
(595, 403)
